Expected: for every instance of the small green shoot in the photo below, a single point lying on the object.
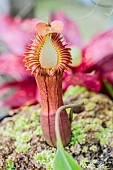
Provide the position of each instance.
(62, 159)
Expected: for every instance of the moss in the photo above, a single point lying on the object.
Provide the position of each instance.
(35, 115)
(90, 106)
(22, 147)
(39, 131)
(91, 136)
(21, 122)
(77, 133)
(45, 158)
(1, 147)
(25, 137)
(10, 164)
(84, 162)
(84, 149)
(104, 135)
(21, 128)
(109, 124)
(91, 124)
(22, 140)
(93, 148)
(91, 166)
(75, 149)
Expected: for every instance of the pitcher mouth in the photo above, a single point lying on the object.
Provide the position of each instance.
(47, 54)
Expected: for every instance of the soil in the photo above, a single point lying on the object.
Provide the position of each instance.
(22, 146)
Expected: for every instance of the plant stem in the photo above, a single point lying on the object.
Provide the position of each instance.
(57, 129)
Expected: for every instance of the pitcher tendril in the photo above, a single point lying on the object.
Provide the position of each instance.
(76, 104)
(47, 57)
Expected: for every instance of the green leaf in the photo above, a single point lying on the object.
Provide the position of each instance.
(63, 161)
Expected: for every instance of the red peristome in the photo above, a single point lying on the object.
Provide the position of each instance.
(50, 88)
(33, 54)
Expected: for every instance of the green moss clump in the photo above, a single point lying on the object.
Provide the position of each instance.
(45, 158)
(84, 149)
(92, 134)
(84, 162)
(39, 131)
(22, 147)
(93, 148)
(104, 135)
(77, 133)
(22, 128)
(90, 106)
(10, 164)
